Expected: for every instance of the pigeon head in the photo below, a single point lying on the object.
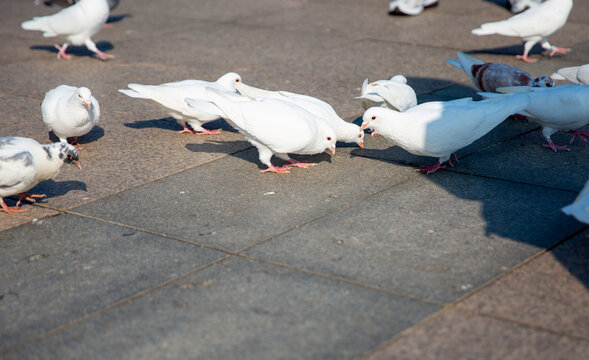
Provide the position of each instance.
(85, 97)
(543, 81)
(326, 136)
(372, 116)
(228, 81)
(67, 153)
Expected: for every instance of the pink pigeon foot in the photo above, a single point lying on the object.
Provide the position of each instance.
(583, 135)
(61, 52)
(374, 132)
(104, 56)
(431, 169)
(526, 58)
(275, 169)
(186, 130)
(11, 210)
(29, 197)
(450, 159)
(300, 164)
(75, 143)
(107, 26)
(559, 50)
(209, 132)
(520, 117)
(555, 148)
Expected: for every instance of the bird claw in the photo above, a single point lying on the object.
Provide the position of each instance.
(275, 169)
(555, 148)
(431, 169)
(209, 132)
(526, 59)
(559, 50)
(300, 164)
(104, 56)
(583, 135)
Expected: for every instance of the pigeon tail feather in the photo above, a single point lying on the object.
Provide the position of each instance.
(133, 94)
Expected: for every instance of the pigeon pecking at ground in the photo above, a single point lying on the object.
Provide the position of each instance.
(575, 74)
(345, 131)
(24, 163)
(533, 25)
(171, 97)
(441, 128)
(394, 94)
(77, 23)
(490, 76)
(561, 108)
(70, 112)
(274, 127)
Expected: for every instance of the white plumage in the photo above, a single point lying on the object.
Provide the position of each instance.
(558, 108)
(410, 7)
(533, 25)
(69, 111)
(274, 127)
(171, 97)
(77, 23)
(345, 131)
(394, 94)
(24, 163)
(439, 128)
(580, 207)
(575, 74)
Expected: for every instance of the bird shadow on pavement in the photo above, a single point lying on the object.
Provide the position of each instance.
(508, 50)
(169, 123)
(96, 133)
(117, 18)
(76, 50)
(52, 189)
(243, 150)
(500, 3)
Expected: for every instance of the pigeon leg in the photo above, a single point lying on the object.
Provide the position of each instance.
(186, 130)
(92, 47)
(12, 210)
(558, 50)
(29, 197)
(300, 164)
(527, 47)
(274, 169)
(450, 159)
(555, 148)
(431, 169)
(583, 135)
(208, 132)
(61, 51)
(374, 132)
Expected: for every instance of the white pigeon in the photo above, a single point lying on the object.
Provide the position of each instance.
(24, 163)
(575, 74)
(78, 23)
(345, 131)
(274, 127)
(64, 3)
(517, 6)
(490, 76)
(580, 207)
(394, 94)
(69, 111)
(559, 108)
(410, 7)
(441, 128)
(171, 97)
(533, 25)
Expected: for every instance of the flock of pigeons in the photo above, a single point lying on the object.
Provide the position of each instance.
(281, 123)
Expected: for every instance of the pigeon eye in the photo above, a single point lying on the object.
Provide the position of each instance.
(359, 135)
(236, 80)
(329, 138)
(373, 118)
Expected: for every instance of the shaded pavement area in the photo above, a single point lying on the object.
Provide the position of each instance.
(175, 246)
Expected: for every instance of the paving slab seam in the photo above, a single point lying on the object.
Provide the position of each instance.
(522, 324)
(344, 280)
(112, 306)
(455, 305)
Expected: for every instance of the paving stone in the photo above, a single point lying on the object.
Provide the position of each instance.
(239, 309)
(549, 293)
(249, 206)
(437, 237)
(59, 269)
(457, 335)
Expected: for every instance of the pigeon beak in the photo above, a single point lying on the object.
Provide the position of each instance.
(364, 126)
(88, 105)
(332, 150)
(361, 144)
(77, 164)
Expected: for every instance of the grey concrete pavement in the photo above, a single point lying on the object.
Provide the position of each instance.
(175, 246)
